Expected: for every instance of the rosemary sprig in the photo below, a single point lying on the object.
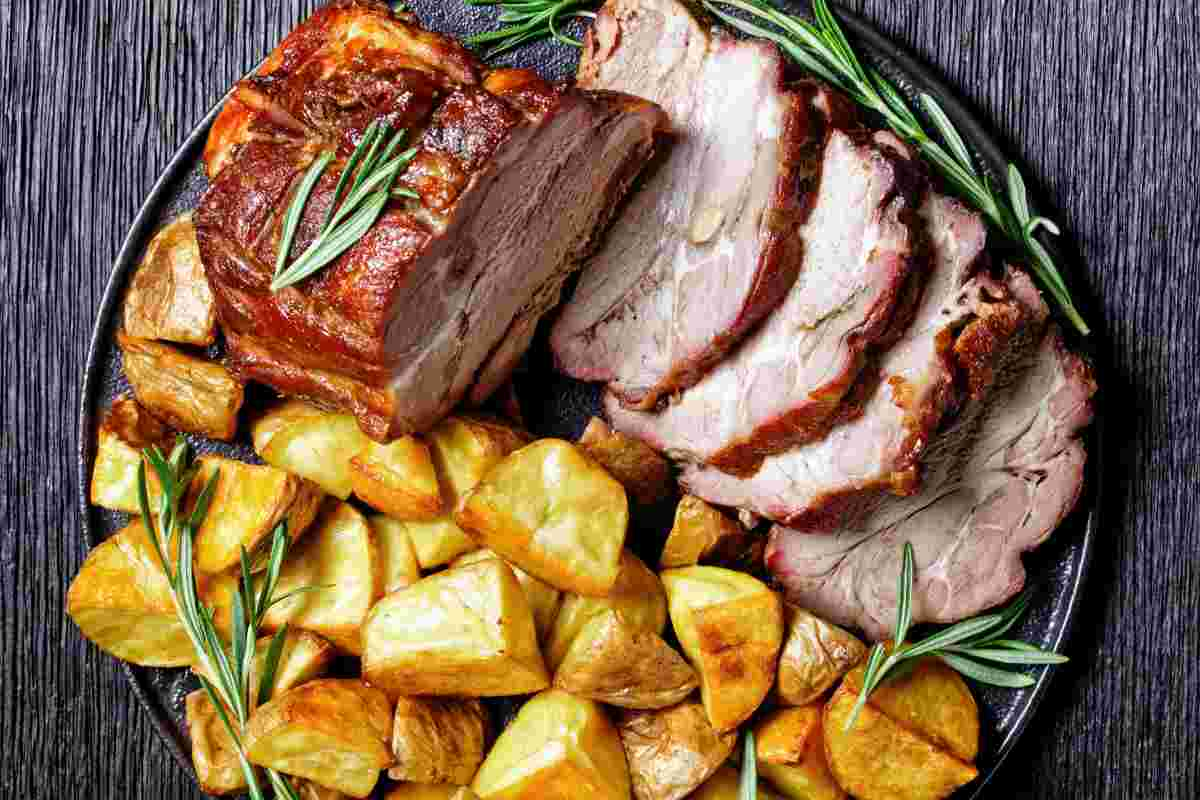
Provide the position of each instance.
(171, 530)
(961, 646)
(748, 785)
(368, 174)
(530, 20)
(821, 47)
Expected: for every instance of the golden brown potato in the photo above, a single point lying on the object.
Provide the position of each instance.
(214, 753)
(438, 740)
(672, 751)
(168, 297)
(430, 791)
(188, 393)
(880, 759)
(122, 602)
(466, 631)
(341, 554)
(637, 595)
(730, 626)
(543, 598)
(725, 784)
(782, 736)
(558, 746)
(816, 654)
(932, 700)
(703, 534)
(127, 428)
(397, 479)
(807, 779)
(278, 417)
(616, 663)
(464, 448)
(332, 732)
(645, 474)
(303, 657)
(249, 500)
(554, 513)
(314, 446)
(438, 541)
(400, 567)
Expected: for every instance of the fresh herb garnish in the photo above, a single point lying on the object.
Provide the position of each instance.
(748, 786)
(821, 47)
(170, 530)
(961, 646)
(530, 20)
(373, 170)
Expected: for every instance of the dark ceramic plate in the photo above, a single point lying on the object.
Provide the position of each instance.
(554, 405)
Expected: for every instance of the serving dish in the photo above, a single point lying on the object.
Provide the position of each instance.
(558, 406)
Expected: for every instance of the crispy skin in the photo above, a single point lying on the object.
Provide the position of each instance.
(168, 297)
(672, 751)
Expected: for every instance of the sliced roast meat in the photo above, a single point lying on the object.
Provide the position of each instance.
(709, 244)
(964, 320)
(999, 481)
(862, 248)
(515, 179)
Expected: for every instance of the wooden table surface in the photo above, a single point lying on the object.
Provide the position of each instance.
(1093, 97)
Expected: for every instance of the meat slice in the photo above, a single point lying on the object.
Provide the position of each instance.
(515, 179)
(1000, 480)
(861, 247)
(965, 318)
(709, 244)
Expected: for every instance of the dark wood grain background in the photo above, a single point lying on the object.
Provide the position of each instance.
(1096, 99)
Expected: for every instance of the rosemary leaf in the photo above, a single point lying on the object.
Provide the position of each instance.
(904, 607)
(291, 220)
(266, 685)
(748, 785)
(1005, 655)
(985, 674)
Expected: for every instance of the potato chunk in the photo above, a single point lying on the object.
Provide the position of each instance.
(333, 732)
(400, 567)
(807, 779)
(553, 512)
(467, 631)
(645, 474)
(168, 297)
(278, 417)
(189, 393)
(616, 663)
(725, 784)
(880, 759)
(558, 746)
(126, 429)
(397, 479)
(637, 595)
(303, 657)
(438, 740)
(122, 602)
(816, 654)
(438, 541)
(341, 554)
(672, 751)
(248, 502)
(214, 753)
(703, 534)
(429, 791)
(730, 626)
(464, 448)
(782, 736)
(543, 598)
(317, 447)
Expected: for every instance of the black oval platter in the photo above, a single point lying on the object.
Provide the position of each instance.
(557, 406)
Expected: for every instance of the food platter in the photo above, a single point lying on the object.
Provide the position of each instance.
(554, 405)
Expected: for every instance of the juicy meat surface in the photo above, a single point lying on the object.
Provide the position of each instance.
(1000, 479)
(515, 178)
(862, 254)
(709, 244)
(964, 320)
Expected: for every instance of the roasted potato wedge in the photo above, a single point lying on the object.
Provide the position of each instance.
(121, 601)
(725, 784)
(672, 751)
(303, 657)
(214, 753)
(543, 598)
(880, 759)
(340, 554)
(730, 626)
(438, 541)
(333, 732)
(400, 567)
(397, 478)
(809, 778)
(317, 447)
(280, 416)
(430, 791)
(438, 740)
(638, 596)
(249, 500)
(125, 430)
(617, 663)
(816, 654)
(554, 513)
(466, 631)
(702, 534)
(782, 736)
(558, 746)
(168, 297)
(188, 393)
(464, 448)
(933, 700)
(645, 474)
